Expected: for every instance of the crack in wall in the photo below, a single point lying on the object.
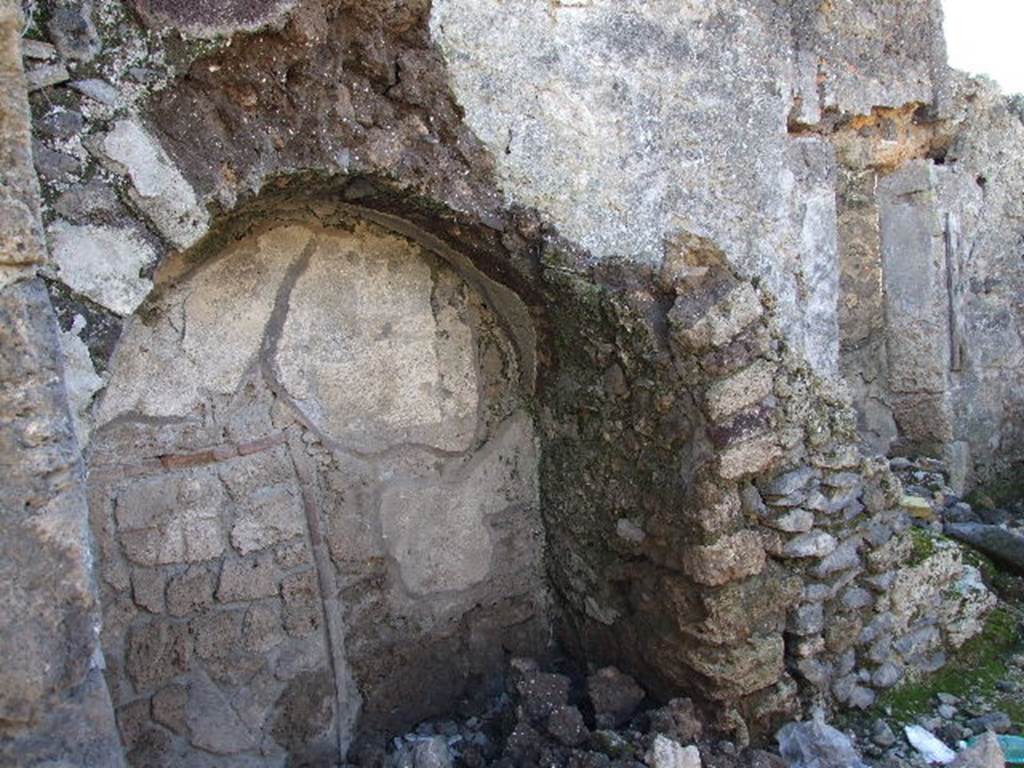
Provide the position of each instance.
(347, 698)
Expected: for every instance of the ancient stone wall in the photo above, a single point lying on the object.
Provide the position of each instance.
(738, 545)
(322, 511)
(408, 336)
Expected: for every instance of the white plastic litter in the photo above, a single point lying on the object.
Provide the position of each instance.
(928, 746)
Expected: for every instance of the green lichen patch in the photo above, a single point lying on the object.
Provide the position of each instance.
(972, 674)
(923, 545)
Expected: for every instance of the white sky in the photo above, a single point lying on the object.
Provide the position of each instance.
(987, 37)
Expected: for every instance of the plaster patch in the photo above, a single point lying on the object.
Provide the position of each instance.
(438, 531)
(364, 356)
(205, 333)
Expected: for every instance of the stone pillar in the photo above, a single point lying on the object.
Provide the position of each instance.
(54, 704)
(916, 306)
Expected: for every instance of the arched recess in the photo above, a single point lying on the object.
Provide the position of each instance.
(313, 487)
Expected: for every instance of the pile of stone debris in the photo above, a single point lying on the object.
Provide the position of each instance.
(997, 532)
(550, 719)
(605, 721)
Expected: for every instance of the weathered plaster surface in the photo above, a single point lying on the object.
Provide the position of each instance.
(332, 479)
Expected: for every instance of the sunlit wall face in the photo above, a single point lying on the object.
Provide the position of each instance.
(984, 37)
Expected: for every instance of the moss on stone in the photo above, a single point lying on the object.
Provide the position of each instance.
(923, 546)
(972, 672)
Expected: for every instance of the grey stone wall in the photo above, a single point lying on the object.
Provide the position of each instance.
(376, 338)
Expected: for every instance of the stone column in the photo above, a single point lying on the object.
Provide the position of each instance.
(54, 704)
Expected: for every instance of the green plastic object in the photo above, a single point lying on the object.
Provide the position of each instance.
(1013, 748)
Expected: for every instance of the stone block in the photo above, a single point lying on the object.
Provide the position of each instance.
(304, 713)
(741, 390)
(740, 669)
(261, 628)
(301, 595)
(132, 720)
(812, 544)
(741, 608)
(217, 634)
(856, 598)
(817, 672)
(718, 324)
(788, 483)
(169, 707)
(148, 589)
(157, 651)
(213, 724)
(247, 579)
(842, 633)
(748, 458)
(268, 517)
(791, 521)
(732, 557)
(843, 558)
(807, 619)
(886, 676)
(190, 592)
(171, 519)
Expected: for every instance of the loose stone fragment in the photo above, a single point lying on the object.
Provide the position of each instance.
(566, 724)
(615, 696)
(666, 753)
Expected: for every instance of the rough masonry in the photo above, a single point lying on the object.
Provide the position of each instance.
(356, 346)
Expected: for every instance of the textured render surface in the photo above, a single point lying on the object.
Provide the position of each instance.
(605, 121)
(185, 352)
(323, 508)
(366, 359)
(628, 122)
